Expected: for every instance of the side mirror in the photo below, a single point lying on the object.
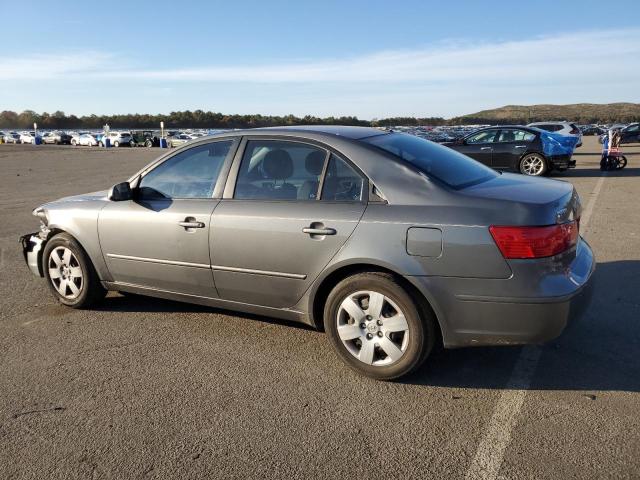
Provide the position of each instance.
(120, 192)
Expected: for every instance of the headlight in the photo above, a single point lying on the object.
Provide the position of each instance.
(41, 213)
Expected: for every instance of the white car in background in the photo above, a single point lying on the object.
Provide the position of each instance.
(563, 128)
(27, 137)
(119, 139)
(85, 139)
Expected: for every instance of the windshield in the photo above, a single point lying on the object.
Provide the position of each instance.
(435, 161)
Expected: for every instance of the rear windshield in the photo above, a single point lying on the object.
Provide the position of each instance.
(435, 161)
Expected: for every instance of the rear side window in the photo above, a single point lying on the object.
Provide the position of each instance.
(435, 161)
(515, 136)
(342, 183)
(280, 170)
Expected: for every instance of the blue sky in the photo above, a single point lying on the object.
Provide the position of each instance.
(365, 58)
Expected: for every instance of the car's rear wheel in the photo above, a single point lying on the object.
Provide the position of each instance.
(148, 144)
(533, 164)
(74, 143)
(70, 273)
(376, 327)
(116, 144)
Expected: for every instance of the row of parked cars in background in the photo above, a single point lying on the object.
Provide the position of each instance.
(128, 138)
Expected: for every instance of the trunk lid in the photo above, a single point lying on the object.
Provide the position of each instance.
(513, 199)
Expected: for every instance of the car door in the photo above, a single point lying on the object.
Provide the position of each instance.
(509, 146)
(288, 208)
(479, 145)
(160, 239)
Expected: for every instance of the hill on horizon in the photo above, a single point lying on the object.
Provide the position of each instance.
(576, 112)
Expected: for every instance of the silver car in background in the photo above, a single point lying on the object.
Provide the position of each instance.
(388, 242)
(563, 128)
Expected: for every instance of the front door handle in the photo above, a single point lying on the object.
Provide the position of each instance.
(485, 148)
(191, 222)
(319, 231)
(520, 146)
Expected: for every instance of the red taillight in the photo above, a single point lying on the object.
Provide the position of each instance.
(535, 242)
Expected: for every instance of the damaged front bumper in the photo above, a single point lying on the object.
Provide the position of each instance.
(32, 247)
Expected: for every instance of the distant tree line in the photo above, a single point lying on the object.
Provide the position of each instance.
(195, 119)
(202, 119)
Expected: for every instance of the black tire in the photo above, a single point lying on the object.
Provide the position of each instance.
(90, 289)
(421, 325)
(148, 144)
(622, 162)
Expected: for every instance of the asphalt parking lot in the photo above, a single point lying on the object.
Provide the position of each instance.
(145, 388)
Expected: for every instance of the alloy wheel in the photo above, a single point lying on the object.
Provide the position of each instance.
(65, 273)
(372, 328)
(532, 165)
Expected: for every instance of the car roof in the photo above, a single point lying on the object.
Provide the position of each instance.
(354, 133)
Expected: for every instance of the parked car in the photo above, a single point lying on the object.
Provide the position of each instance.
(628, 134)
(12, 137)
(146, 138)
(85, 139)
(387, 241)
(527, 150)
(592, 130)
(28, 137)
(563, 128)
(57, 138)
(118, 139)
(179, 139)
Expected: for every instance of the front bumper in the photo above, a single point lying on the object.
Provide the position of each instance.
(533, 306)
(32, 247)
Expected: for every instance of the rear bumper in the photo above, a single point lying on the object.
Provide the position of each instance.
(32, 246)
(561, 162)
(533, 306)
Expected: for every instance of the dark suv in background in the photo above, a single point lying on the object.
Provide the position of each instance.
(145, 138)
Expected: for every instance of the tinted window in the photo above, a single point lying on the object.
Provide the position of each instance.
(435, 161)
(516, 136)
(487, 136)
(189, 174)
(632, 128)
(342, 183)
(276, 170)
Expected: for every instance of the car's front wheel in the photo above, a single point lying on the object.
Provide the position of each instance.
(70, 273)
(377, 327)
(533, 164)
(116, 144)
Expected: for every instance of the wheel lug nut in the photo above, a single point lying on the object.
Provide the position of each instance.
(368, 317)
(369, 336)
(362, 325)
(379, 322)
(379, 333)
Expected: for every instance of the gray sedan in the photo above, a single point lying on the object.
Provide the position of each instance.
(388, 242)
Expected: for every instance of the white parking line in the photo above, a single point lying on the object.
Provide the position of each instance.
(490, 454)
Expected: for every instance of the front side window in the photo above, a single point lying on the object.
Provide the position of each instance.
(280, 170)
(487, 136)
(515, 136)
(342, 183)
(189, 174)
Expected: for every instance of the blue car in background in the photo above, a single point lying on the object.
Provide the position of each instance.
(527, 150)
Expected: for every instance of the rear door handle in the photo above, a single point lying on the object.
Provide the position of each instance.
(319, 231)
(520, 146)
(485, 148)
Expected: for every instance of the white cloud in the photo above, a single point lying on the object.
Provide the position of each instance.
(583, 56)
(446, 78)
